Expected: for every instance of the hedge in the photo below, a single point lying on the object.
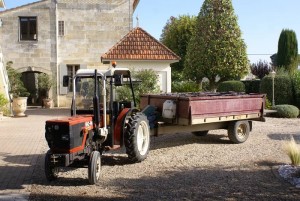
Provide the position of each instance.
(233, 85)
(283, 89)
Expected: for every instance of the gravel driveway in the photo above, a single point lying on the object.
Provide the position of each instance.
(182, 166)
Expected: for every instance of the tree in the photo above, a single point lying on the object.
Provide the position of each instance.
(287, 53)
(16, 86)
(260, 69)
(45, 83)
(273, 58)
(176, 35)
(217, 50)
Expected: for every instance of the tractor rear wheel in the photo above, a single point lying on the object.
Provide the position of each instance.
(51, 171)
(137, 137)
(94, 167)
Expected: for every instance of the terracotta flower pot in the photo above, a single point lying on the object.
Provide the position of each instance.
(47, 102)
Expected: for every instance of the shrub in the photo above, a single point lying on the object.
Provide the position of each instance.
(287, 111)
(44, 83)
(260, 69)
(148, 84)
(251, 86)
(124, 93)
(3, 102)
(296, 88)
(185, 86)
(17, 88)
(293, 151)
(268, 104)
(233, 85)
(283, 92)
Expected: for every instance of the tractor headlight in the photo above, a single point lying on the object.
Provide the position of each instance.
(56, 127)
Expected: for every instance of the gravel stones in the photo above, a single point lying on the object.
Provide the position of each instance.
(181, 166)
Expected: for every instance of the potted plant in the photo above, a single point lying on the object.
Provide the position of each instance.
(18, 92)
(45, 83)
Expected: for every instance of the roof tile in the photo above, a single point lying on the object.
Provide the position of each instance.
(139, 45)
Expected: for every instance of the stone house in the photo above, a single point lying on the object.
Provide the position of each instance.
(3, 74)
(58, 37)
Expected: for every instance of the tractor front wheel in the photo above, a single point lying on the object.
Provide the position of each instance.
(51, 171)
(137, 137)
(94, 167)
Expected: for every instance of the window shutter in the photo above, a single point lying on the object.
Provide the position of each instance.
(83, 66)
(63, 71)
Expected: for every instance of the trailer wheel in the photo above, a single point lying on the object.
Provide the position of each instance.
(200, 133)
(238, 132)
(94, 167)
(137, 137)
(51, 171)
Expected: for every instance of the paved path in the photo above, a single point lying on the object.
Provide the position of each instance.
(21, 143)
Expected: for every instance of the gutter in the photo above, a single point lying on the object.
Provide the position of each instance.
(56, 55)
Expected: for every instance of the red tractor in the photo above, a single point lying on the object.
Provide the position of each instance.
(98, 123)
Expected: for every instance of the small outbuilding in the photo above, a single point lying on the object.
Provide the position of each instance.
(139, 50)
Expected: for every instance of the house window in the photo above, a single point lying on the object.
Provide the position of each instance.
(28, 28)
(61, 28)
(72, 69)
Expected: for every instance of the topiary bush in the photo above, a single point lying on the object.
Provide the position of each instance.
(251, 86)
(283, 89)
(233, 85)
(287, 111)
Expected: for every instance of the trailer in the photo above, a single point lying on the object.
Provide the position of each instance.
(200, 112)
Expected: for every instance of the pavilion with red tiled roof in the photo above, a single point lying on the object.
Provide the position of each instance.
(139, 50)
(139, 45)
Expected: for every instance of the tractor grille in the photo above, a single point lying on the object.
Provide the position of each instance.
(62, 138)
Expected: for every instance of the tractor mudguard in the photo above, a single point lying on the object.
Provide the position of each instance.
(119, 126)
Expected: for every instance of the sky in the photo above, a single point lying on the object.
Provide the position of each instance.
(261, 21)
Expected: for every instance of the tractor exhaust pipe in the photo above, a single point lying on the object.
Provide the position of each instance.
(96, 107)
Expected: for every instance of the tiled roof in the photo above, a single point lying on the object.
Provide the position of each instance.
(135, 4)
(139, 45)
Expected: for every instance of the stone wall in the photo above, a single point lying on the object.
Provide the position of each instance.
(3, 77)
(28, 53)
